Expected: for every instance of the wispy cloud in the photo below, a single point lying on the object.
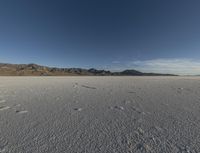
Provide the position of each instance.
(181, 66)
(175, 66)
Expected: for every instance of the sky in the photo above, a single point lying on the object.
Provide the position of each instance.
(147, 35)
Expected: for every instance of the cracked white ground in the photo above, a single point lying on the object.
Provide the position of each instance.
(99, 114)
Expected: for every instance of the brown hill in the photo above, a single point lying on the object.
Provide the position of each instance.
(38, 70)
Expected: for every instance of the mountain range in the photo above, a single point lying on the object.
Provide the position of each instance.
(38, 70)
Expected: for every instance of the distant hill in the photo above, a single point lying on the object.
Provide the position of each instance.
(38, 70)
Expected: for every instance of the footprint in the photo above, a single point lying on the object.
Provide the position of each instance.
(2, 101)
(131, 92)
(143, 147)
(78, 109)
(185, 149)
(180, 90)
(119, 107)
(127, 102)
(159, 129)
(75, 101)
(2, 150)
(17, 105)
(21, 112)
(110, 107)
(57, 98)
(75, 85)
(137, 110)
(4, 107)
(88, 87)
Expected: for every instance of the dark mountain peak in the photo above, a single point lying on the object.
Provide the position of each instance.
(131, 72)
(32, 65)
(102, 72)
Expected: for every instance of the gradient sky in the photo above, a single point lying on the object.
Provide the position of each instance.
(148, 35)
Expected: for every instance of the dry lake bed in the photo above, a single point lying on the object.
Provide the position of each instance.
(99, 114)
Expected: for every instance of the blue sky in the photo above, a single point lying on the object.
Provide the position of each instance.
(151, 36)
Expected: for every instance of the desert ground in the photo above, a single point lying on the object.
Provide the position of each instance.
(99, 114)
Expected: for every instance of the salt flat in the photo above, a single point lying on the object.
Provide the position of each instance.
(99, 114)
